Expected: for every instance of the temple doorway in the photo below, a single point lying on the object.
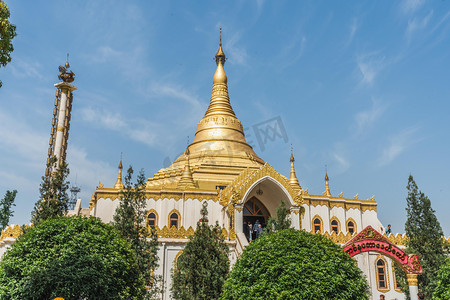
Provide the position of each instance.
(254, 213)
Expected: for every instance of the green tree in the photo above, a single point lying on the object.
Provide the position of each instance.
(425, 236)
(7, 33)
(73, 258)
(5, 208)
(203, 266)
(291, 264)
(442, 290)
(53, 201)
(282, 221)
(129, 220)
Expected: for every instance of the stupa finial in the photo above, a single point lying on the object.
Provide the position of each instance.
(293, 181)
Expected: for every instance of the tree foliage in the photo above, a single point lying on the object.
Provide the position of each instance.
(53, 201)
(425, 236)
(203, 266)
(7, 33)
(442, 290)
(5, 208)
(282, 221)
(129, 220)
(73, 258)
(290, 264)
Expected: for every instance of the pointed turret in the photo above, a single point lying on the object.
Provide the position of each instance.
(327, 186)
(293, 181)
(119, 184)
(187, 181)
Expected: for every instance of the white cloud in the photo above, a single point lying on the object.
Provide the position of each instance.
(343, 164)
(369, 66)
(365, 119)
(139, 130)
(410, 6)
(20, 139)
(398, 144)
(234, 51)
(416, 24)
(152, 133)
(105, 54)
(353, 28)
(23, 69)
(292, 52)
(86, 173)
(176, 91)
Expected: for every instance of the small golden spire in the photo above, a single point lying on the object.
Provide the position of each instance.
(327, 186)
(220, 76)
(293, 181)
(187, 181)
(67, 65)
(220, 55)
(119, 184)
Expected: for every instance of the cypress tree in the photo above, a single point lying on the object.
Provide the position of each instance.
(5, 208)
(202, 267)
(425, 236)
(282, 221)
(129, 220)
(53, 201)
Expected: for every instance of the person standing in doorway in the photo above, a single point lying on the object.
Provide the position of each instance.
(255, 229)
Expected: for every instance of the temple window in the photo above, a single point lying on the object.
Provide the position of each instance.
(381, 274)
(335, 226)
(152, 219)
(350, 227)
(174, 220)
(317, 224)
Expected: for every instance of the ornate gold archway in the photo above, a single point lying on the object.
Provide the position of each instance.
(371, 240)
(235, 194)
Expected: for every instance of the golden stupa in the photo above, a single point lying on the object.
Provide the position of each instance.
(219, 152)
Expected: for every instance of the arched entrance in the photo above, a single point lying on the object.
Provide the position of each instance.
(254, 214)
(254, 211)
(371, 240)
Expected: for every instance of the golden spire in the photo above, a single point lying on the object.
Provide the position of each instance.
(327, 186)
(119, 184)
(293, 181)
(220, 132)
(187, 181)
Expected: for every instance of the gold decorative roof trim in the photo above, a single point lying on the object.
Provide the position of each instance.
(12, 231)
(181, 233)
(346, 203)
(236, 190)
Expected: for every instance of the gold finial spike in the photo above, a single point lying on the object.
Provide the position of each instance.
(67, 65)
(292, 154)
(220, 55)
(327, 186)
(120, 164)
(293, 181)
(119, 185)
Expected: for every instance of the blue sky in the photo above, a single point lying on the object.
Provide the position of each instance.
(361, 87)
